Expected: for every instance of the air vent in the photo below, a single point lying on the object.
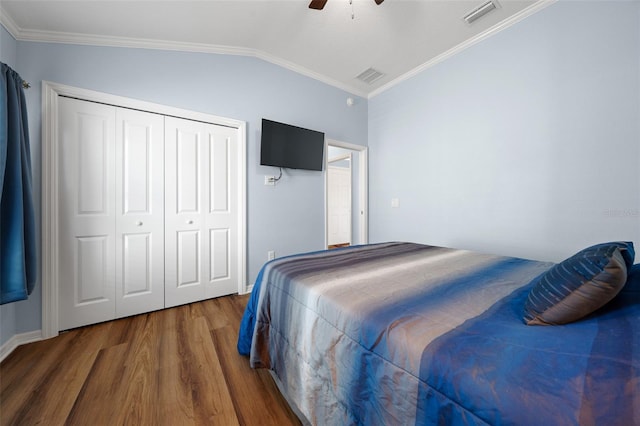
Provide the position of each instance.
(480, 11)
(370, 76)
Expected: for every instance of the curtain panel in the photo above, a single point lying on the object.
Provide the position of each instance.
(17, 221)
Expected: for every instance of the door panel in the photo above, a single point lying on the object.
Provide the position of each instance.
(86, 213)
(219, 251)
(93, 159)
(219, 175)
(136, 273)
(339, 205)
(199, 212)
(188, 152)
(139, 225)
(188, 259)
(92, 254)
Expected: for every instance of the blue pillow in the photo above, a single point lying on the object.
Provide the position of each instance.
(579, 285)
(633, 280)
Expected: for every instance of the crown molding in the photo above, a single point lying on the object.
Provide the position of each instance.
(110, 41)
(312, 74)
(8, 23)
(514, 19)
(137, 43)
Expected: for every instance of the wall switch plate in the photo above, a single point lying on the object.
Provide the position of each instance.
(395, 203)
(271, 255)
(269, 180)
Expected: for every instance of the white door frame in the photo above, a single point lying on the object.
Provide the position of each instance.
(363, 189)
(50, 232)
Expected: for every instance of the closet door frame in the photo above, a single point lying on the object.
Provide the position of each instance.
(50, 207)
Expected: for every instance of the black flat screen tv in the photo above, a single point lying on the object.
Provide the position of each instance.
(284, 145)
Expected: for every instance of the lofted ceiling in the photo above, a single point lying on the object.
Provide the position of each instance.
(396, 38)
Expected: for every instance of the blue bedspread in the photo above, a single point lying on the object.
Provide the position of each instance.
(402, 333)
(497, 370)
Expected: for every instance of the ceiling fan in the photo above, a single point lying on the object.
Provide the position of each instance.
(319, 4)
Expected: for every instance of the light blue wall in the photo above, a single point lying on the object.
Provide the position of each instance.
(287, 218)
(526, 144)
(8, 55)
(8, 48)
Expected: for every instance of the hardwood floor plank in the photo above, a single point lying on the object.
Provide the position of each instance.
(271, 408)
(174, 403)
(233, 307)
(52, 399)
(245, 384)
(211, 400)
(239, 303)
(24, 370)
(122, 330)
(178, 366)
(28, 363)
(215, 316)
(104, 383)
(138, 404)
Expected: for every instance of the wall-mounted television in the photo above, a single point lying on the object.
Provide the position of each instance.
(284, 145)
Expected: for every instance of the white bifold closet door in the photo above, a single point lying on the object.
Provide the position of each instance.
(111, 207)
(148, 212)
(139, 212)
(201, 211)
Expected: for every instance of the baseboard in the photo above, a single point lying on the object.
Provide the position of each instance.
(17, 340)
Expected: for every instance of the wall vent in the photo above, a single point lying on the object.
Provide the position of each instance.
(369, 76)
(480, 11)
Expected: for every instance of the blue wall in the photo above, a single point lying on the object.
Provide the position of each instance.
(525, 144)
(287, 218)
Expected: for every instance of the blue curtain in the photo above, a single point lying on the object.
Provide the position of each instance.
(17, 222)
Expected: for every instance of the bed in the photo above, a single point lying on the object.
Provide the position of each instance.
(403, 333)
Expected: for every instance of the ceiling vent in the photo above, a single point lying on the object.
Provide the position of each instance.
(370, 76)
(480, 11)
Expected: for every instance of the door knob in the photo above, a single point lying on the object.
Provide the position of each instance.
(139, 223)
(189, 222)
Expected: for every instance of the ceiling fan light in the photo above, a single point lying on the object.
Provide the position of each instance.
(480, 11)
(317, 4)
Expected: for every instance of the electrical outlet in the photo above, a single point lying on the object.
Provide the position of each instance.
(269, 180)
(271, 255)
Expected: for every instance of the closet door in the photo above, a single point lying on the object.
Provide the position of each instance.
(139, 225)
(111, 202)
(201, 211)
(86, 213)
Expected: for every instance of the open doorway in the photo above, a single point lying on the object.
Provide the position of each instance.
(339, 202)
(346, 189)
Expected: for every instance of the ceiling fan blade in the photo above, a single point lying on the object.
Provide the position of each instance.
(318, 4)
(378, 2)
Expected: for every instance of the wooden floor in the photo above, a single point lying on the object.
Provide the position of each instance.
(333, 246)
(178, 366)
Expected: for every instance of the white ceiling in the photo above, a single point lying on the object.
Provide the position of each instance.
(398, 38)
